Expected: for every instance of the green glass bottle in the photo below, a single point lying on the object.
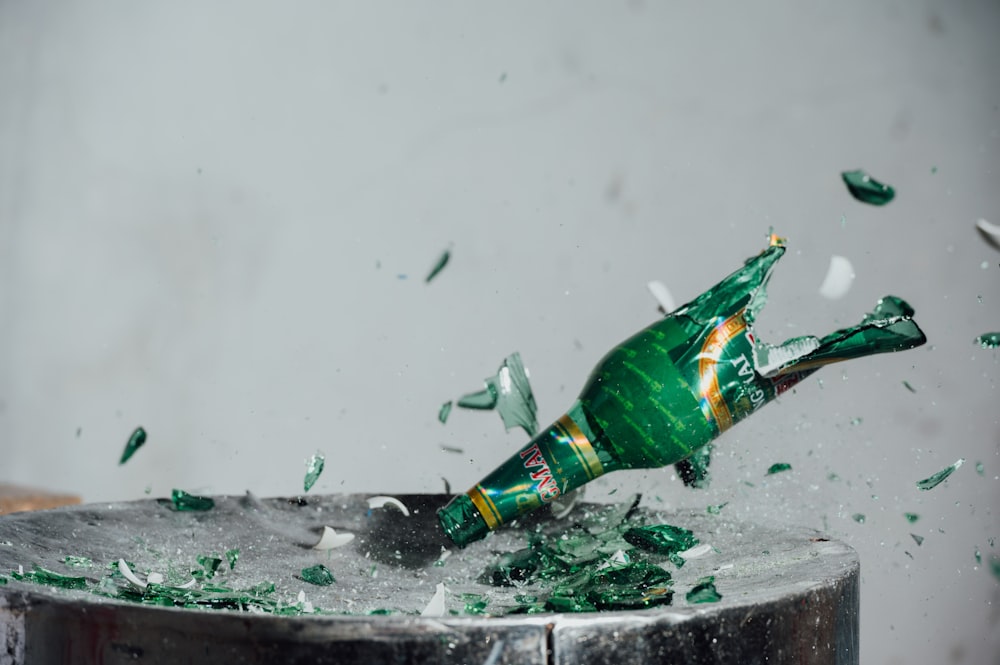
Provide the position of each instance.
(664, 393)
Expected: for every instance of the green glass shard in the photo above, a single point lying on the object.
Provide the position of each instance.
(989, 340)
(314, 467)
(693, 471)
(439, 266)
(184, 502)
(778, 467)
(3, 580)
(210, 564)
(995, 565)
(715, 510)
(909, 387)
(444, 412)
(232, 556)
(980, 469)
(704, 592)
(475, 603)
(78, 561)
(866, 189)
(40, 575)
(661, 538)
(509, 392)
(977, 555)
(319, 575)
(940, 476)
(135, 442)
(919, 540)
(911, 517)
(858, 517)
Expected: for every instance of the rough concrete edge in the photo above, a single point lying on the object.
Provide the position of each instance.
(12, 633)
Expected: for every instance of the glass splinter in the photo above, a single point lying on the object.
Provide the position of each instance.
(78, 561)
(858, 517)
(185, 502)
(989, 340)
(232, 556)
(314, 467)
(909, 387)
(40, 575)
(661, 538)
(911, 517)
(866, 189)
(919, 540)
(704, 592)
(778, 467)
(319, 575)
(439, 266)
(509, 392)
(940, 476)
(135, 442)
(444, 412)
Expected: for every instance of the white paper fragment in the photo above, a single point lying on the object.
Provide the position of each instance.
(990, 232)
(301, 598)
(724, 567)
(154, 578)
(769, 358)
(838, 280)
(187, 585)
(382, 501)
(662, 295)
(695, 552)
(129, 575)
(20, 570)
(307, 607)
(330, 539)
(436, 607)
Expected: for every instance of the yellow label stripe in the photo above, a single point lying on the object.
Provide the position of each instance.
(485, 506)
(582, 447)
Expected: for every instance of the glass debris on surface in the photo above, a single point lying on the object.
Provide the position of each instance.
(78, 561)
(866, 189)
(704, 592)
(778, 467)
(838, 280)
(51, 578)
(182, 501)
(989, 340)
(940, 476)
(438, 266)
(314, 467)
(134, 443)
(444, 412)
(509, 392)
(436, 606)
(319, 575)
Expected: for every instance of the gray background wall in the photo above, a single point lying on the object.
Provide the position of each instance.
(216, 219)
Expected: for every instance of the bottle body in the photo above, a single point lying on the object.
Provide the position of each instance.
(667, 391)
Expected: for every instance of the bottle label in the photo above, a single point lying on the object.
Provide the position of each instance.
(558, 460)
(728, 387)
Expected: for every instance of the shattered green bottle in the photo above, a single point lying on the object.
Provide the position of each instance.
(664, 393)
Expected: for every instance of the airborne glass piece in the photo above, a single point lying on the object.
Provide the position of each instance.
(319, 575)
(995, 566)
(858, 517)
(232, 556)
(778, 467)
(838, 280)
(509, 392)
(135, 442)
(919, 540)
(314, 467)
(989, 340)
(184, 502)
(439, 266)
(666, 392)
(866, 189)
(911, 517)
(444, 412)
(704, 592)
(907, 385)
(940, 476)
(40, 575)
